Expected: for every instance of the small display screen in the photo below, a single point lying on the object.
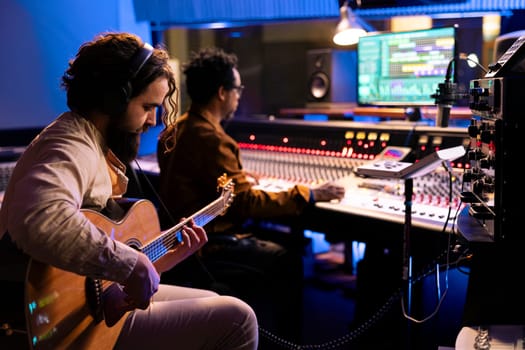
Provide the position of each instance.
(394, 153)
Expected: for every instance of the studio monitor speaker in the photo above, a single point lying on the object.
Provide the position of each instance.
(331, 76)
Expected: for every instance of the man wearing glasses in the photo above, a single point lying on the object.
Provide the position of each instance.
(192, 155)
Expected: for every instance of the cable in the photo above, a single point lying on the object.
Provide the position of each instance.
(8, 330)
(450, 66)
(441, 296)
(155, 193)
(341, 341)
(172, 220)
(353, 335)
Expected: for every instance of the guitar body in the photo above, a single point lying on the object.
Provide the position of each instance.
(67, 311)
(58, 314)
(64, 310)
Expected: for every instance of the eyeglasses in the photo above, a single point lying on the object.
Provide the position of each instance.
(239, 88)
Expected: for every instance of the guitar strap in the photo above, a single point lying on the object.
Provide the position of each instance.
(119, 183)
(117, 174)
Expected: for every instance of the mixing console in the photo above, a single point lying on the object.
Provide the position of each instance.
(284, 152)
(281, 153)
(381, 199)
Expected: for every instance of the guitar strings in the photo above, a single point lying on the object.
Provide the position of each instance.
(169, 238)
(170, 217)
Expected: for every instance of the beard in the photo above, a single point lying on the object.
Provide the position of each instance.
(124, 143)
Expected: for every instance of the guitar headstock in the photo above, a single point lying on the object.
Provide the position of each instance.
(226, 187)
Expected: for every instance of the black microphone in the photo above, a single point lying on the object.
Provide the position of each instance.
(445, 96)
(447, 93)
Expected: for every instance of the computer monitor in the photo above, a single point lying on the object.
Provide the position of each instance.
(403, 68)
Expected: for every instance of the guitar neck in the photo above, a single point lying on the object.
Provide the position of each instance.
(172, 236)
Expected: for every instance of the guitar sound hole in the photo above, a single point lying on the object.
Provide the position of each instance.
(134, 243)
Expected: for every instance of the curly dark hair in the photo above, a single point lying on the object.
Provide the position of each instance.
(96, 77)
(207, 71)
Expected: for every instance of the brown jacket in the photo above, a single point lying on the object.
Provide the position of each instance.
(189, 173)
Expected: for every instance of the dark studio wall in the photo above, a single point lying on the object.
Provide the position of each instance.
(273, 61)
(274, 65)
(38, 38)
(273, 72)
(273, 57)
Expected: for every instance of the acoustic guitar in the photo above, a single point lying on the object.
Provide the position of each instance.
(67, 311)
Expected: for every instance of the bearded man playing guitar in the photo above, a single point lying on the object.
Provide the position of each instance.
(90, 283)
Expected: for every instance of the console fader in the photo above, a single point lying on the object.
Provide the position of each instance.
(282, 152)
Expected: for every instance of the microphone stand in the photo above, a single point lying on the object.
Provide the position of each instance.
(407, 172)
(407, 253)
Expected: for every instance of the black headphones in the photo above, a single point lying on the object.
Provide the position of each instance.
(116, 100)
